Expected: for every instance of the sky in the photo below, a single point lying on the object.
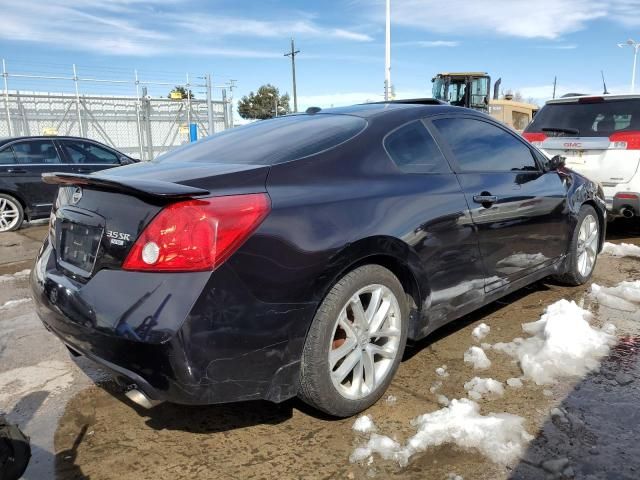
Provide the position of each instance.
(341, 45)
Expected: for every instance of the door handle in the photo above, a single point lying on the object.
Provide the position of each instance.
(16, 170)
(84, 170)
(485, 199)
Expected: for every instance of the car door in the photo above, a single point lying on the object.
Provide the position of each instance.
(442, 233)
(8, 166)
(87, 156)
(33, 158)
(520, 211)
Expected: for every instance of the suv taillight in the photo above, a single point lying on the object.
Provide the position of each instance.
(625, 140)
(197, 235)
(535, 138)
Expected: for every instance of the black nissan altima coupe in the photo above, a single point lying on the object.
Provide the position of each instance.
(296, 256)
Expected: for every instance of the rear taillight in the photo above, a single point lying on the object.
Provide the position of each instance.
(197, 235)
(535, 138)
(625, 140)
(627, 196)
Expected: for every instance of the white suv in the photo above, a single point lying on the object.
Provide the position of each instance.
(600, 137)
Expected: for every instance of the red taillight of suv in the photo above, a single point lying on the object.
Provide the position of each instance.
(534, 138)
(197, 235)
(625, 140)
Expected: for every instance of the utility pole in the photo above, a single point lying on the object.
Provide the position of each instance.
(387, 54)
(293, 54)
(555, 81)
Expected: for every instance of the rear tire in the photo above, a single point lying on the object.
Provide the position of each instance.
(583, 251)
(11, 213)
(345, 367)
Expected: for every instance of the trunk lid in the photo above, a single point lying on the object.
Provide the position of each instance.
(97, 218)
(595, 158)
(586, 130)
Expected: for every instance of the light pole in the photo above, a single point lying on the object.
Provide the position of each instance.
(387, 54)
(635, 45)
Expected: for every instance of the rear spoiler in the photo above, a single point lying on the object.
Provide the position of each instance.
(133, 186)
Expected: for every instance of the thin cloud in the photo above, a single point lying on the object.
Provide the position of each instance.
(558, 47)
(549, 19)
(151, 28)
(429, 44)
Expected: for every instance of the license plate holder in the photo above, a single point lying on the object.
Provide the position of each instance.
(78, 246)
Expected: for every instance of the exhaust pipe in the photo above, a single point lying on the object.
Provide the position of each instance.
(627, 212)
(138, 397)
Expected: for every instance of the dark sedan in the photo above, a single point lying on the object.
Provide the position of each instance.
(296, 256)
(23, 160)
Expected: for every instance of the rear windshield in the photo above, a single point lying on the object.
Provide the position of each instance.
(268, 142)
(590, 119)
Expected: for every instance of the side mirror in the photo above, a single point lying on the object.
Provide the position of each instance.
(125, 160)
(555, 163)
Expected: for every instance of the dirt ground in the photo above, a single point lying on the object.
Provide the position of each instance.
(83, 427)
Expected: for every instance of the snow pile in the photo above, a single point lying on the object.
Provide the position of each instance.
(442, 371)
(477, 357)
(13, 303)
(442, 400)
(621, 250)
(481, 331)
(384, 446)
(391, 400)
(479, 387)
(364, 424)
(499, 436)
(15, 276)
(514, 382)
(435, 387)
(624, 296)
(454, 476)
(562, 344)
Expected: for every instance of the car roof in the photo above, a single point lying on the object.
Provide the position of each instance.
(4, 140)
(368, 110)
(608, 96)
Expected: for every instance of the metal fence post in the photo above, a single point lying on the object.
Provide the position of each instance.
(138, 124)
(6, 96)
(75, 81)
(188, 87)
(147, 122)
(212, 128)
(225, 108)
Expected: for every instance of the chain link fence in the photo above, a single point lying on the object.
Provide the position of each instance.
(140, 125)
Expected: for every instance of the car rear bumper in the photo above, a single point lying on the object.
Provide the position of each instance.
(190, 338)
(625, 204)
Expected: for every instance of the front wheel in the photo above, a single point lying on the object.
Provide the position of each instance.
(355, 343)
(583, 251)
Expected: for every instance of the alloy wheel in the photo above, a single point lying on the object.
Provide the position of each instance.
(587, 250)
(365, 341)
(9, 214)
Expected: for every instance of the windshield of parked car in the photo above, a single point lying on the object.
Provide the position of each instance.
(599, 119)
(269, 142)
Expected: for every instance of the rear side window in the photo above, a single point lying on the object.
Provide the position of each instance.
(600, 119)
(36, 152)
(87, 152)
(269, 142)
(482, 147)
(413, 150)
(7, 157)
